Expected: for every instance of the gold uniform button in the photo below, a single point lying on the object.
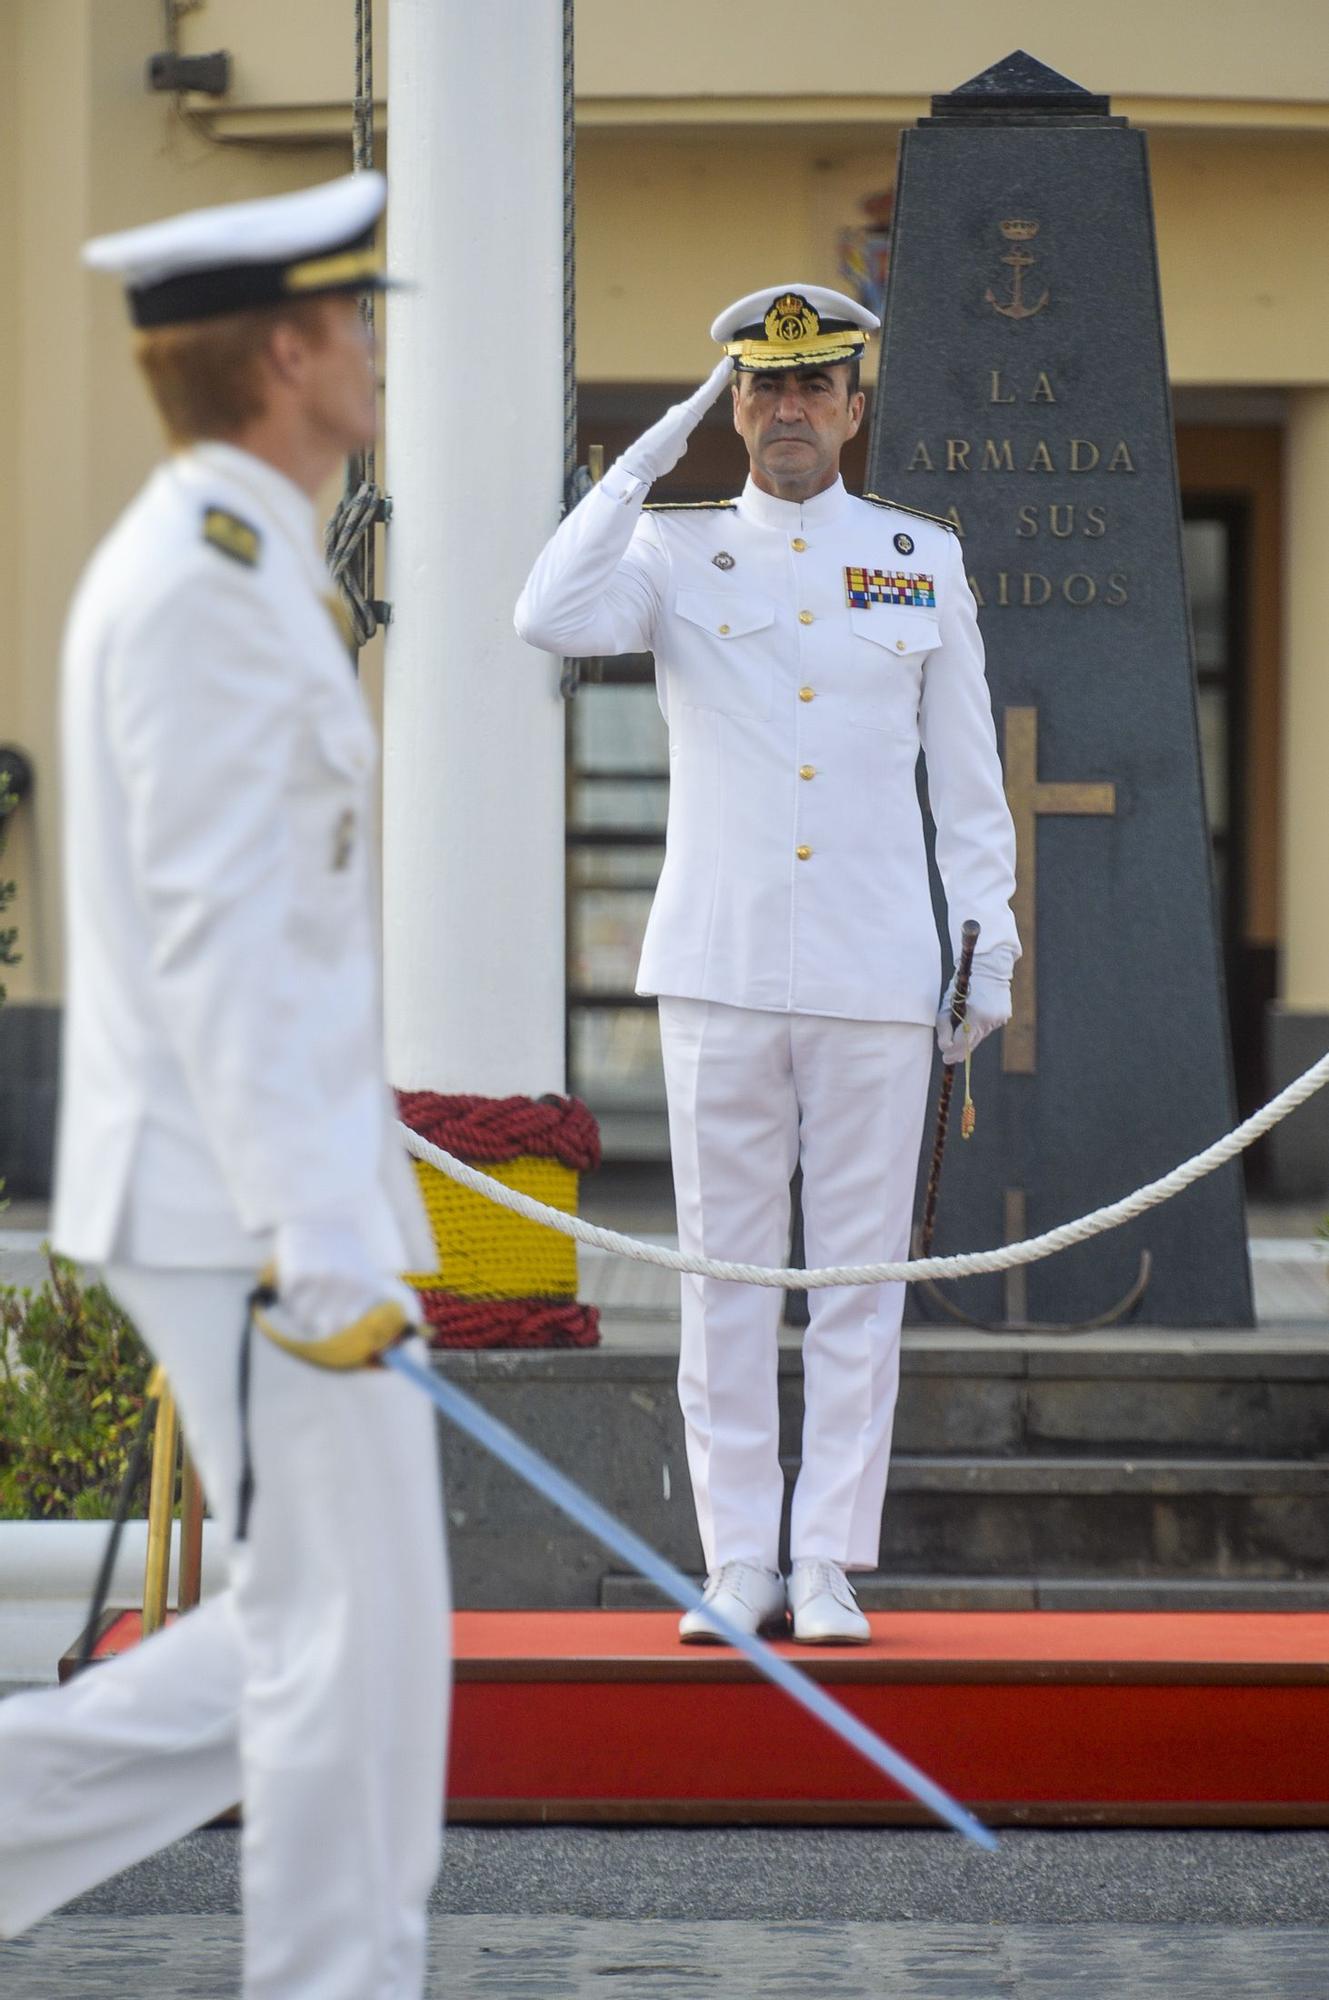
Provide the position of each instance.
(899, 645)
(807, 694)
(798, 543)
(807, 770)
(803, 853)
(805, 617)
(723, 629)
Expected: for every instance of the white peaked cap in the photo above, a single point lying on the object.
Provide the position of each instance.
(793, 326)
(248, 253)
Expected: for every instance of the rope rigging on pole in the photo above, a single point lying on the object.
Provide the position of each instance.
(577, 479)
(349, 539)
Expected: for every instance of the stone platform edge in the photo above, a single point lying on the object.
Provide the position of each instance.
(1299, 1349)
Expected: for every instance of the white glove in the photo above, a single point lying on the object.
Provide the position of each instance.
(989, 1007)
(659, 449)
(326, 1278)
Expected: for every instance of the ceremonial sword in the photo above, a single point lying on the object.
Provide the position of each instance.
(512, 1451)
(376, 1340)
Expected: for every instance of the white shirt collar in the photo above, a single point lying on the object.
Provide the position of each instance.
(280, 498)
(791, 516)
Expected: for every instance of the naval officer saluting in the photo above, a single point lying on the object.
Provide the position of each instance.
(807, 646)
(223, 1105)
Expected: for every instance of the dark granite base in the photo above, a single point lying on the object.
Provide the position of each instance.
(1297, 1158)
(29, 1065)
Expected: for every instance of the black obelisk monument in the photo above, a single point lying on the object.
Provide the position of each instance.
(1024, 395)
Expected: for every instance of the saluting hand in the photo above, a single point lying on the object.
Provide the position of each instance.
(659, 449)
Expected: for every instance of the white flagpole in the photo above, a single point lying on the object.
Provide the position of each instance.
(473, 722)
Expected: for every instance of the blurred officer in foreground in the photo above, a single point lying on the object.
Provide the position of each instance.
(807, 645)
(223, 1107)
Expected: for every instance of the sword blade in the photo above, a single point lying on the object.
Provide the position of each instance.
(569, 1498)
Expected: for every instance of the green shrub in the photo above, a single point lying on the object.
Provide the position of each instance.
(73, 1375)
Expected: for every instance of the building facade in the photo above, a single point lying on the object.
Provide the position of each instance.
(710, 163)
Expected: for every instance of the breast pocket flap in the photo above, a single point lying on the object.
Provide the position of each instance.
(898, 632)
(723, 616)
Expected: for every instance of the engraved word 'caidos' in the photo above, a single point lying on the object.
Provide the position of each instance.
(1030, 590)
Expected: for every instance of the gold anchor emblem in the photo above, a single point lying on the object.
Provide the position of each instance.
(1017, 232)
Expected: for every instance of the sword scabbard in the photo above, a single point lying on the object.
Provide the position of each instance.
(959, 1007)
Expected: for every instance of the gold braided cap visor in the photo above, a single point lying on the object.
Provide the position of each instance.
(817, 350)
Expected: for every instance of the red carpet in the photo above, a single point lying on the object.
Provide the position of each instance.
(1152, 1718)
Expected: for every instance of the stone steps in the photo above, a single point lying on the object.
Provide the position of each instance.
(1159, 1465)
(1207, 1396)
(1216, 1519)
(1219, 1520)
(880, 1592)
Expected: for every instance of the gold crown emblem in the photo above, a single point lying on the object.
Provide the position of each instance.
(792, 319)
(1017, 231)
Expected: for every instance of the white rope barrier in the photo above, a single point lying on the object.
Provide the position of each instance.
(972, 1264)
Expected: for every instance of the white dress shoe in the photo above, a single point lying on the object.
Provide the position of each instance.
(825, 1609)
(749, 1597)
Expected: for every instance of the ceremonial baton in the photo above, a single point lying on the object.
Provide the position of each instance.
(512, 1451)
(959, 1008)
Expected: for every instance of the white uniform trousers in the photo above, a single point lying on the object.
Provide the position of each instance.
(313, 1689)
(750, 1095)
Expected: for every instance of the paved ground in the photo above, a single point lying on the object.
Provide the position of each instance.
(92, 1958)
(582, 1914)
(818, 1875)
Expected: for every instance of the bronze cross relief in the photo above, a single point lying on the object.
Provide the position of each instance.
(1029, 798)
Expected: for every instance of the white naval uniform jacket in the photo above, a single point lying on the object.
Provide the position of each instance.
(222, 1061)
(795, 874)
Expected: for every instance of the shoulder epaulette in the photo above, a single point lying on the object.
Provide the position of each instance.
(918, 512)
(234, 537)
(686, 506)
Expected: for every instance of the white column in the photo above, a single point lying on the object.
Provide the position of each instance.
(1305, 722)
(473, 722)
